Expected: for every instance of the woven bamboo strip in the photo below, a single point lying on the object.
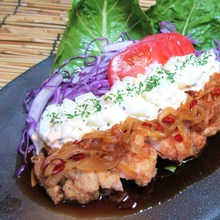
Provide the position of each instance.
(37, 18)
(39, 39)
(26, 52)
(1, 17)
(19, 64)
(28, 36)
(30, 33)
(13, 65)
(64, 7)
(22, 68)
(11, 72)
(23, 29)
(20, 58)
(5, 4)
(28, 24)
(7, 9)
(8, 1)
(41, 11)
(50, 1)
(15, 56)
(24, 44)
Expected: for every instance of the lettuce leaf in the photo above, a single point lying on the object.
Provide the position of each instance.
(200, 19)
(99, 18)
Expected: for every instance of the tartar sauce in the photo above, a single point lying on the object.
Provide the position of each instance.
(142, 97)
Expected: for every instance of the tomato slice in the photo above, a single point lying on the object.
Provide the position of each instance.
(158, 48)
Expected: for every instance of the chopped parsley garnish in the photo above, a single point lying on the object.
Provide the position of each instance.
(192, 60)
(132, 89)
(96, 104)
(90, 106)
(55, 117)
(151, 83)
(169, 75)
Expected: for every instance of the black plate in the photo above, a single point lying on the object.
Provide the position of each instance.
(200, 200)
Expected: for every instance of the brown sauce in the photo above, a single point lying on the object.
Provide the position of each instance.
(163, 187)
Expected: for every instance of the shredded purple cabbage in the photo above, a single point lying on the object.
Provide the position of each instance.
(217, 50)
(167, 27)
(64, 84)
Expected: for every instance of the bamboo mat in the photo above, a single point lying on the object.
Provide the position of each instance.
(30, 31)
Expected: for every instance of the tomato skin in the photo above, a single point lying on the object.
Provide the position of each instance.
(158, 48)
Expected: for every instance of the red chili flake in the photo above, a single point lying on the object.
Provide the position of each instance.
(159, 127)
(59, 165)
(192, 103)
(215, 92)
(149, 125)
(168, 120)
(46, 162)
(76, 142)
(44, 166)
(77, 157)
(178, 137)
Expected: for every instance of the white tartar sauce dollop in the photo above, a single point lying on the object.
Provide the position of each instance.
(142, 97)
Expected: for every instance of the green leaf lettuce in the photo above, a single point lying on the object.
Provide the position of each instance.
(99, 18)
(200, 19)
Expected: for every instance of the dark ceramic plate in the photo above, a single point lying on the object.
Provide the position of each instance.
(198, 181)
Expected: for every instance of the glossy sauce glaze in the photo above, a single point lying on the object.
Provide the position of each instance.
(165, 186)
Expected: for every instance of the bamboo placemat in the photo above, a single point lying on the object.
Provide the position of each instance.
(30, 31)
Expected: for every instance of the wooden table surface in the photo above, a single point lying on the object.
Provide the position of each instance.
(30, 31)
